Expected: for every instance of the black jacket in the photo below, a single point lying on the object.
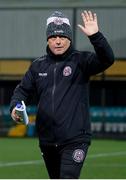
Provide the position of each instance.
(61, 84)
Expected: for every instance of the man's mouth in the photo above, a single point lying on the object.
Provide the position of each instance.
(58, 48)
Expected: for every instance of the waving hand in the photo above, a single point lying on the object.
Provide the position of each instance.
(90, 25)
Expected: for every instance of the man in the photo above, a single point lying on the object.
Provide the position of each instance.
(60, 79)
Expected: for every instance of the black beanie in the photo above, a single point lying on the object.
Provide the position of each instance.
(58, 24)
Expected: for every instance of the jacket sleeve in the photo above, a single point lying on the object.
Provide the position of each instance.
(23, 90)
(102, 58)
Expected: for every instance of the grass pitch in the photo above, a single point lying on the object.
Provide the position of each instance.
(20, 158)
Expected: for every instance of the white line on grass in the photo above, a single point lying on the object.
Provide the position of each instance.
(107, 154)
(20, 163)
(108, 165)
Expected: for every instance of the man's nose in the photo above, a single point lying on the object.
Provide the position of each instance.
(58, 40)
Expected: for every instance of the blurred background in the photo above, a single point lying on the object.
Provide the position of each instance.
(23, 38)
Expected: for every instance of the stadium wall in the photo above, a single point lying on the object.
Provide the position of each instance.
(23, 25)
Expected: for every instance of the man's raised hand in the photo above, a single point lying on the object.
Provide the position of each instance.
(90, 25)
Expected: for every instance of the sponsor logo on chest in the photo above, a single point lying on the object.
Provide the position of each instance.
(42, 74)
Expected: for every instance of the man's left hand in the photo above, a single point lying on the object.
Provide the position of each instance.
(90, 26)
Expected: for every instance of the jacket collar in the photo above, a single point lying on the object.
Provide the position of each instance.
(62, 57)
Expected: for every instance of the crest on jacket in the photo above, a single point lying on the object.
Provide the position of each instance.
(67, 71)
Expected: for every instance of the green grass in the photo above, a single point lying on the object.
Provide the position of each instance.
(20, 158)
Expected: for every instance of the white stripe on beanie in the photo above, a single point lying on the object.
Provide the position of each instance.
(58, 20)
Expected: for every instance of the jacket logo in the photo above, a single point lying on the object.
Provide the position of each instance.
(42, 74)
(67, 71)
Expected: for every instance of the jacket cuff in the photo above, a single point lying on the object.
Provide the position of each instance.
(95, 36)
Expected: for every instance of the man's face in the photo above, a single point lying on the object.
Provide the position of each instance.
(58, 44)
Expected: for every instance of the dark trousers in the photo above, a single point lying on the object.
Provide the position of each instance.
(64, 161)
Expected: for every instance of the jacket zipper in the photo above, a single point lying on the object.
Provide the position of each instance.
(54, 87)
